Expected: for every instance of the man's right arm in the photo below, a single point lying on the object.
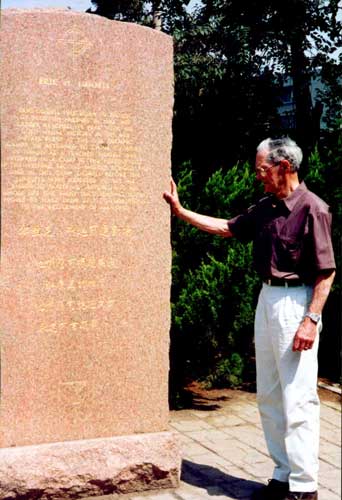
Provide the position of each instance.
(206, 223)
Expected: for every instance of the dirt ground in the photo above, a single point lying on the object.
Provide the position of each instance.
(326, 395)
(209, 396)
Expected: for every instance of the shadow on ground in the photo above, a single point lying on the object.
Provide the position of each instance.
(195, 397)
(216, 482)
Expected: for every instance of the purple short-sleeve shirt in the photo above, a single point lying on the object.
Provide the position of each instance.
(292, 237)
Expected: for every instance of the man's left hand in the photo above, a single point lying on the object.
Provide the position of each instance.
(305, 336)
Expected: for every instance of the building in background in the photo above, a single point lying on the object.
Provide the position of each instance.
(287, 108)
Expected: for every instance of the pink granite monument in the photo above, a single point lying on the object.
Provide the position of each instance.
(86, 110)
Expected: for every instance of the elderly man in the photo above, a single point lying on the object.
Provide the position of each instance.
(291, 232)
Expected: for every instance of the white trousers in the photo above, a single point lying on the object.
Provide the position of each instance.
(287, 386)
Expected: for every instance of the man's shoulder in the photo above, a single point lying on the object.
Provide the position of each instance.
(314, 202)
(264, 202)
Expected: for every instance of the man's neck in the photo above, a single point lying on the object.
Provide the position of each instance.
(288, 188)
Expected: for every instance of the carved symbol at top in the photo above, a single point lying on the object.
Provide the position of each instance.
(74, 392)
(76, 42)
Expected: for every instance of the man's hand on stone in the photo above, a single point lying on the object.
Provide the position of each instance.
(171, 197)
(305, 336)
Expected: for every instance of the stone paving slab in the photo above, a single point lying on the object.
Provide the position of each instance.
(225, 456)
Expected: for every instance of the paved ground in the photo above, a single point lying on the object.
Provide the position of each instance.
(225, 455)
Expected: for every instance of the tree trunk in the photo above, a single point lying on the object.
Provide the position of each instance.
(302, 95)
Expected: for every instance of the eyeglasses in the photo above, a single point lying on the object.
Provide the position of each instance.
(263, 170)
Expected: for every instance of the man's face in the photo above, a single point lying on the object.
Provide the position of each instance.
(270, 174)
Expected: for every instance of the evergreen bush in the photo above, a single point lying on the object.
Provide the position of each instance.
(215, 288)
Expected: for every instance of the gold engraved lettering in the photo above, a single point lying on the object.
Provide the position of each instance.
(77, 263)
(80, 263)
(69, 159)
(75, 84)
(71, 326)
(48, 81)
(77, 306)
(35, 231)
(70, 284)
(95, 230)
(94, 85)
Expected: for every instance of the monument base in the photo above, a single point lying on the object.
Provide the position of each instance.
(94, 467)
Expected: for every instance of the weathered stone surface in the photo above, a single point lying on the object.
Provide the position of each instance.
(90, 467)
(86, 109)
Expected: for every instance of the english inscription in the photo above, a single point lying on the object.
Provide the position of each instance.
(90, 153)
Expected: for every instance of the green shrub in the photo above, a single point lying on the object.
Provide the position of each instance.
(215, 288)
(227, 372)
(325, 179)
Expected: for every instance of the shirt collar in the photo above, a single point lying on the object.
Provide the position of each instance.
(292, 199)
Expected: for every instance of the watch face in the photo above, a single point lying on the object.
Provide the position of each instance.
(314, 316)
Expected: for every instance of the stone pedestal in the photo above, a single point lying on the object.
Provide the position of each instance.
(76, 469)
(86, 110)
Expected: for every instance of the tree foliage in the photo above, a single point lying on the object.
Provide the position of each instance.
(292, 38)
(122, 10)
(223, 99)
(231, 59)
(140, 11)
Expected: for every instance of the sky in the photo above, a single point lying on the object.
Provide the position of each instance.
(80, 5)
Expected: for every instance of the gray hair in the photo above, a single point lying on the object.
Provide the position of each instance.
(282, 149)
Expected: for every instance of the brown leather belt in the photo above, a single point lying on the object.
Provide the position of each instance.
(282, 282)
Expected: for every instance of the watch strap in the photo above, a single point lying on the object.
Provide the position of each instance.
(315, 317)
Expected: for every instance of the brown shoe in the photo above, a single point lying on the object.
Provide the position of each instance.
(274, 490)
(297, 495)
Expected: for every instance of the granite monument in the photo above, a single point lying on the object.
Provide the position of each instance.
(86, 110)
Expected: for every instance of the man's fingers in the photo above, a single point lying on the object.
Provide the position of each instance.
(167, 196)
(301, 345)
(172, 198)
(296, 344)
(304, 338)
(173, 187)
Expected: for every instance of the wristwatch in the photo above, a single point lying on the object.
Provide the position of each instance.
(315, 317)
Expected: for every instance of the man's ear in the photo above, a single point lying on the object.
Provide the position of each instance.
(285, 165)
